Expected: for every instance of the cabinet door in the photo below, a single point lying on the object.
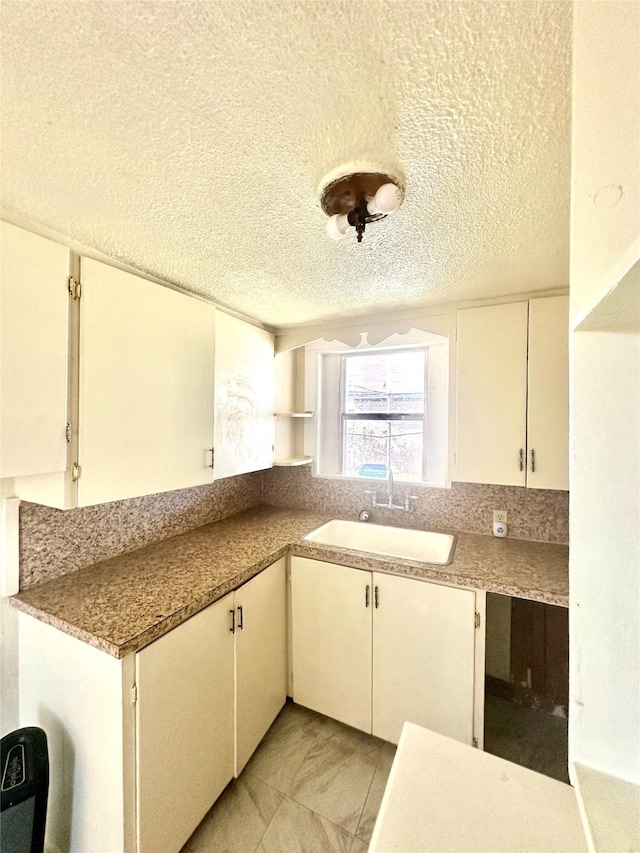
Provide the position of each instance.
(244, 390)
(548, 401)
(184, 718)
(261, 657)
(331, 636)
(34, 345)
(491, 394)
(423, 658)
(146, 387)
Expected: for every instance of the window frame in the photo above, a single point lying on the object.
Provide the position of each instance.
(344, 417)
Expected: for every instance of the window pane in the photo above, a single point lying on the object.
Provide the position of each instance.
(365, 448)
(370, 446)
(385, 382)
(406, 450)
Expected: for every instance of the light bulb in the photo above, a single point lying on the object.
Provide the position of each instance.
(386, 200)
(337, 226)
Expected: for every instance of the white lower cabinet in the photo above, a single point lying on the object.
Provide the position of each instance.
(261, 657)
(423, 657)
(184, 727)
(141, 747)
(331, 640)
(375, 650)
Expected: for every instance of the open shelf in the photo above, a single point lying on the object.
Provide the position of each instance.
(296, 460)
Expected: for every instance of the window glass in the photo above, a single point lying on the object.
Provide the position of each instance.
(385, 382)
(389, 389)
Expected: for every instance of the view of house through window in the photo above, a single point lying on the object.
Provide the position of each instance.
(383, 414)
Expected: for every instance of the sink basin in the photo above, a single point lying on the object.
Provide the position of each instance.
(421, 545)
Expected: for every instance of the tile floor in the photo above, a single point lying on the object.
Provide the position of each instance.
(315, 785)
(312, 786)
(525, 736)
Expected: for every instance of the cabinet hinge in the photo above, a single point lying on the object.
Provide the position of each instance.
(75, 472)
(134, 694)
(476, 620)
(69, 431)
(475, 742)
(75, 289)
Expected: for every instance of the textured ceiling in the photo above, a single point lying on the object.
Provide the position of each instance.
(188, 139)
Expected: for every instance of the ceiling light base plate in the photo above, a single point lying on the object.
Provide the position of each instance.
(345, 193)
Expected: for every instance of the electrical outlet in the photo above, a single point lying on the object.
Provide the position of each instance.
(500, 515)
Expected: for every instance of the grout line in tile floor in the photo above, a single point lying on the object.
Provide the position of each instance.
(308, 787)
(315, 785)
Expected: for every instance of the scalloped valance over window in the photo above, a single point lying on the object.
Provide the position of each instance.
(370, 334)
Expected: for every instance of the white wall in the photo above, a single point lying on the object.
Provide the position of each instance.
(8, 614)
(605, 553)
(604, 719)
(605, 148)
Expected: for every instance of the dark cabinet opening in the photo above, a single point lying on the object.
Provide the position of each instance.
(527, 683)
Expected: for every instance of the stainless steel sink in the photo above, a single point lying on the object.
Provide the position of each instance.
(422, 545)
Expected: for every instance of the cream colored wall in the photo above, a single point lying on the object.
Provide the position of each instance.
(605, 184)
(604, 586)
(8, 614)
(604, 719)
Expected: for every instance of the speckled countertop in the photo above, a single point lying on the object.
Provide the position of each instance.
(123, 604)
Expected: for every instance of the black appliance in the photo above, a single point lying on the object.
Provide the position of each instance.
(25, 786)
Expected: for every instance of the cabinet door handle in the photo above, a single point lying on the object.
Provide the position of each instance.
(212, 451)
(241, 624)
(367, 593)
(233, 621)
(521, 459)
(376, 598)
(533, 461)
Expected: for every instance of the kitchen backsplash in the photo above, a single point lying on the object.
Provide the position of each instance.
(54, 542)
(537, 514)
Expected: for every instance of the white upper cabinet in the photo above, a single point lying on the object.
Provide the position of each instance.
(244, 389)
(492, 394)
(146, 387)
(548, 394)
(512, 394)
(140, 406)
(34, 329)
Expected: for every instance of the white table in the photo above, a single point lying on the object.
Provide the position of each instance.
(445, 796)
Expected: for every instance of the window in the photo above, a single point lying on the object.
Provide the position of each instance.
(382, 414)
(384, 408)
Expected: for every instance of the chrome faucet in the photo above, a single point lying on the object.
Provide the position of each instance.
(407, 506)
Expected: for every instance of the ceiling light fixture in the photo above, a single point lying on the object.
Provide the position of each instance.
(356, 199)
